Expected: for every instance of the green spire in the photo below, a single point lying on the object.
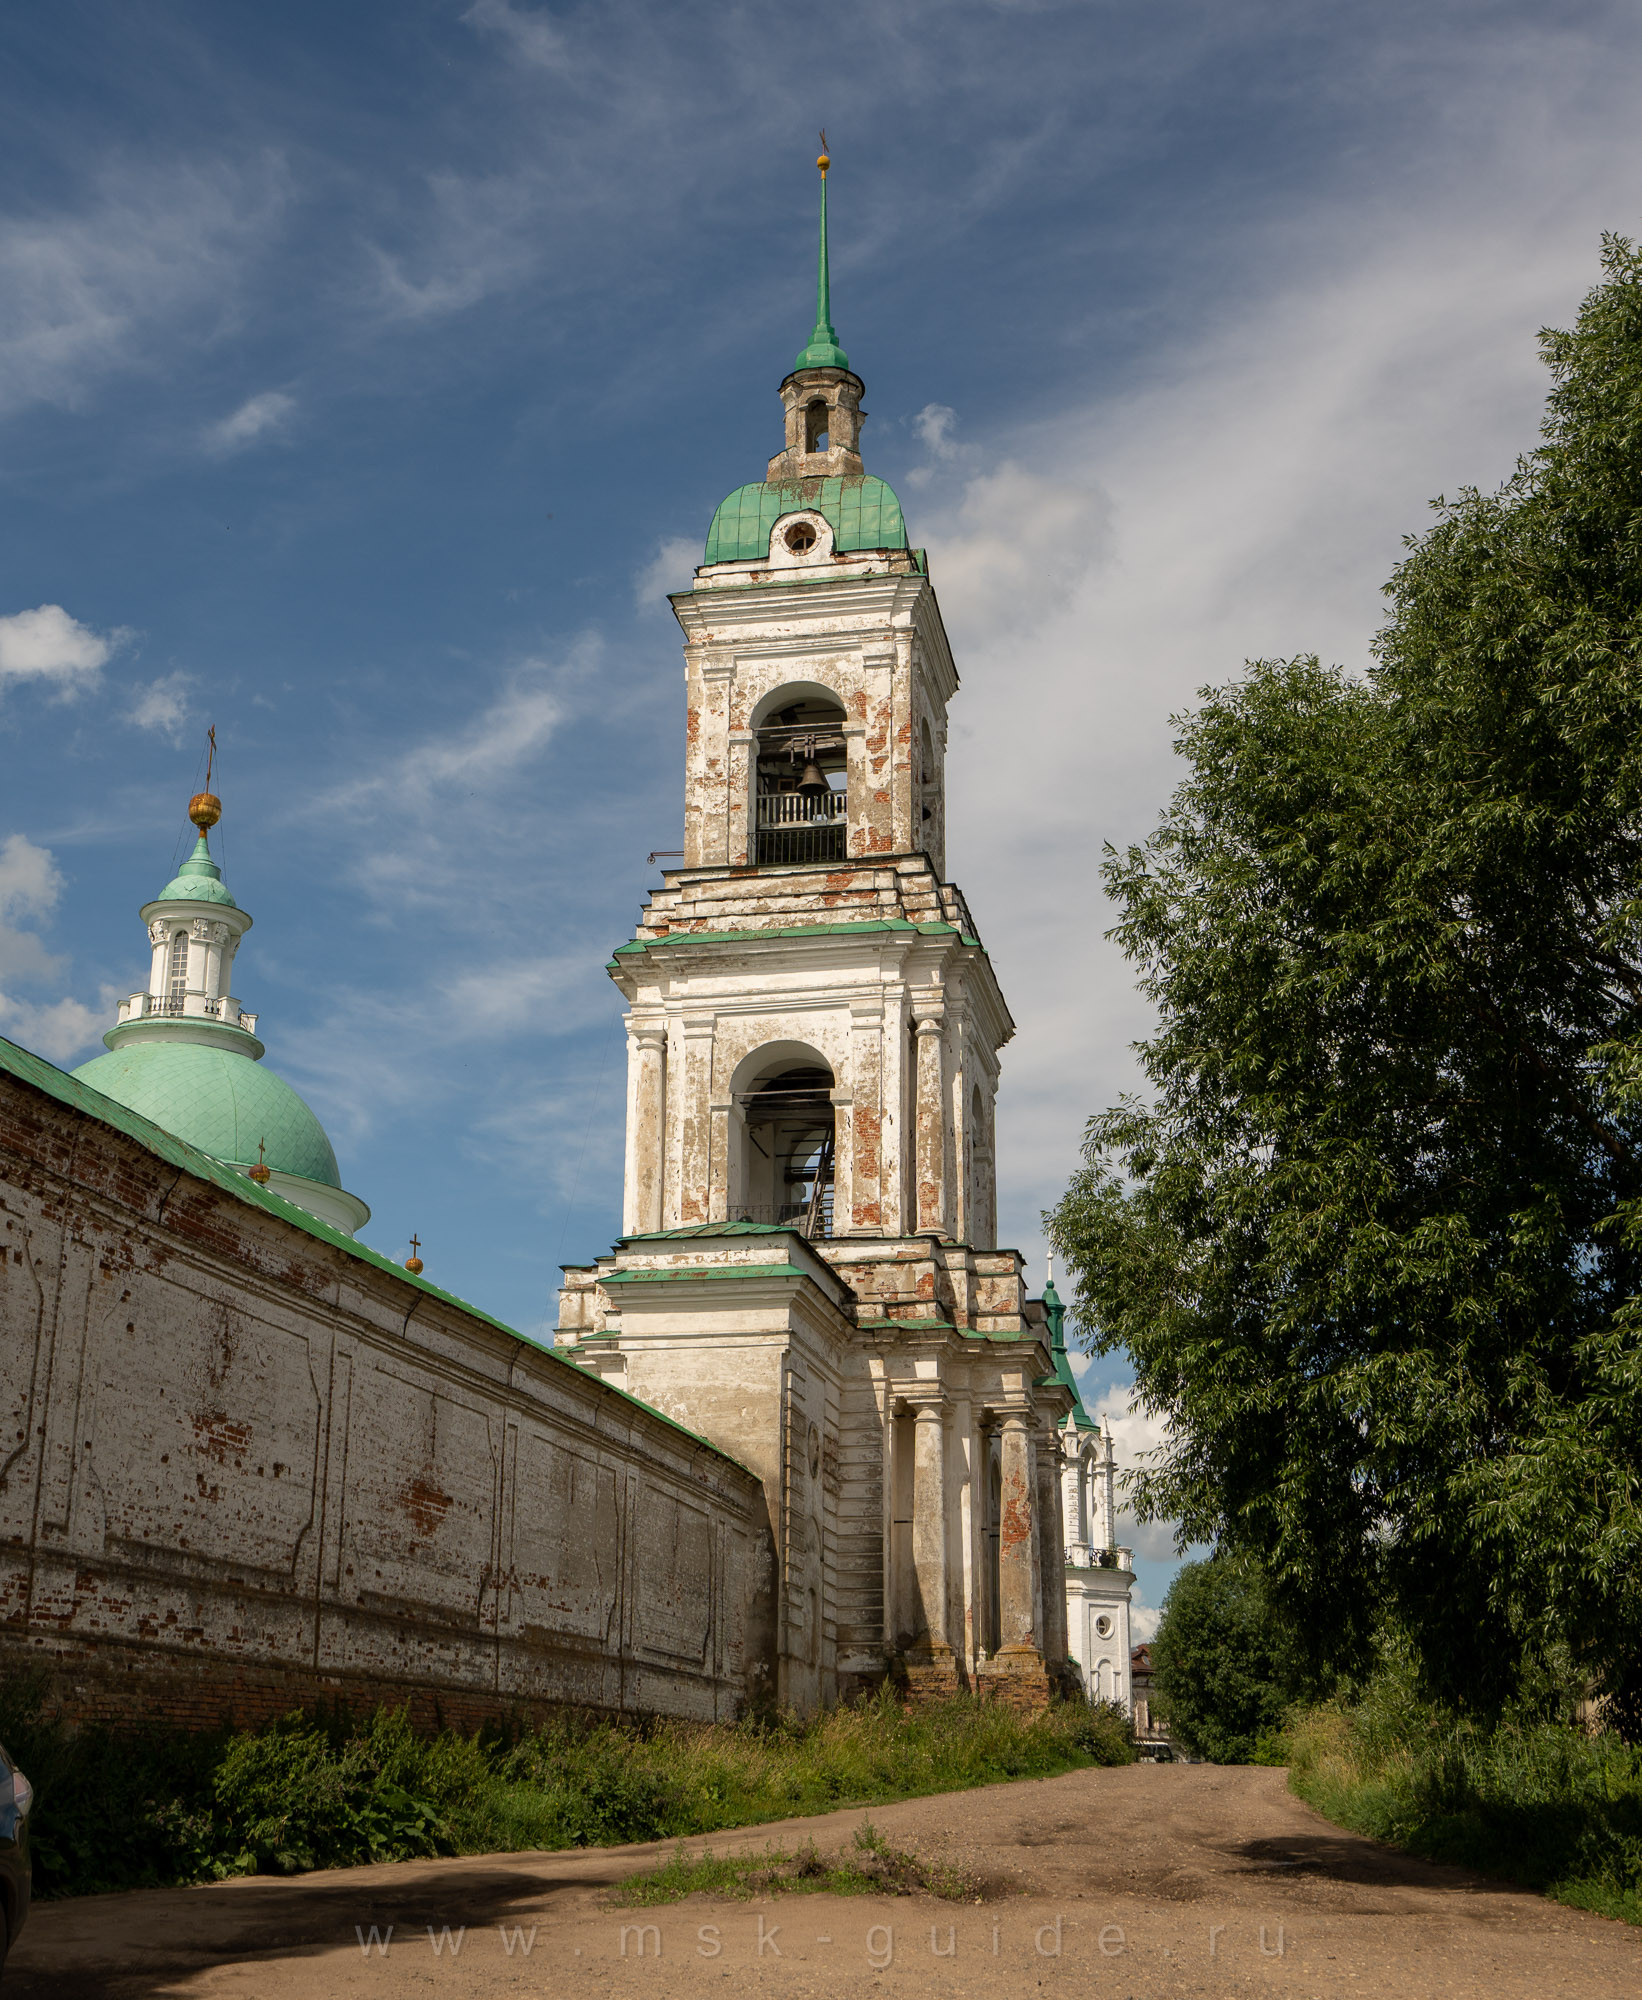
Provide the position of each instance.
(823, 350)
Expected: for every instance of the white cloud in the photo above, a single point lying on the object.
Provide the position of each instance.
(59, 1032)
(253, 419)
(162, 705)
(672, 567)
(532, 37)
(1015, 547)
(30, 886)
(46, 644)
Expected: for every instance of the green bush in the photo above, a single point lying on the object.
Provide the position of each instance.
(141, 1807)
(1224, 1675)
(1531, 1797)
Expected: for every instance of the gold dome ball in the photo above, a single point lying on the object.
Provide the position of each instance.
(260, 1174)
(823, 161)
(205, 809)
(414, 1266)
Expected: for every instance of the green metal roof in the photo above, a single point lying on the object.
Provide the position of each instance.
(198, 880)
(862, 509)
(79, 1096)
(1062, 1371)
(218, 1100)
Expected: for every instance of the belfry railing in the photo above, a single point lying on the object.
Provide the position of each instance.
(795, 826)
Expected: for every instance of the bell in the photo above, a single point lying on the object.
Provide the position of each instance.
(812, 785)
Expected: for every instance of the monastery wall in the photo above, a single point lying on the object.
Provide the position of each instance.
(246, 1463)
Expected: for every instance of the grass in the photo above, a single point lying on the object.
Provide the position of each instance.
(1538, 1802)
(143, 1807)
(871, 1868)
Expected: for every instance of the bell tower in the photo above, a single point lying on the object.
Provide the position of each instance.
(809, 1271)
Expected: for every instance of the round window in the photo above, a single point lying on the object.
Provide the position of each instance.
(801, 538)
(814, 1451)
(1103, 1626)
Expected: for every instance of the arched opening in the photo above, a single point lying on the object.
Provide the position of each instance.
(816, 419)
(802, 800)
(983, 1214)
(788, 1147)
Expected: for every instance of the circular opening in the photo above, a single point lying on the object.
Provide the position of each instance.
(1103, 1626)
(800, 538)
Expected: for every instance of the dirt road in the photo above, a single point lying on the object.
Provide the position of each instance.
(1136, 1884)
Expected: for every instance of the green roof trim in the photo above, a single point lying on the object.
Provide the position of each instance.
(715, 1229)
(863, 511)
(934, 928)
(703, 1271)
(52, 1082)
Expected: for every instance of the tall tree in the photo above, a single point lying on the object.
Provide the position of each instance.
(1375, 1241)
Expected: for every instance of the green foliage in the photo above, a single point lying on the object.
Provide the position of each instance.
(1375, 1243)
(871, 1868)
(1532, 1798)
(138, 1808)
(1224, 1672)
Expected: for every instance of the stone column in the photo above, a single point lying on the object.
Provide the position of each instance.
(1017, 1585)
(719, 1112)
(866, 1213)
(930, 1141)
(646, 1128)
(1052, 1553)
(696, 1119)
(929, 1533)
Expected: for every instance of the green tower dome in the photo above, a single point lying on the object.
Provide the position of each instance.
(198, 880)
(221, 1102)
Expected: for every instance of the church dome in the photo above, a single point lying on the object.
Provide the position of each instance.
(220, 1101)
(862, 509)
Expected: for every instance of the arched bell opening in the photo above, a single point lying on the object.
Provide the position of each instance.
(802, 802)
(817, 421)
(787, 1126)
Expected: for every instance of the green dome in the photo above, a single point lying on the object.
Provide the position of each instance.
(864, 513)
(219, 1101)
(198, 880)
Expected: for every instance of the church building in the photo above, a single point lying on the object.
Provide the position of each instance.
(809, 1273)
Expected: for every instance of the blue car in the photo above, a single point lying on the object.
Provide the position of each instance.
(16, 1796)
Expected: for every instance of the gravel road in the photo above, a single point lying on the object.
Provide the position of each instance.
(1139, 1884)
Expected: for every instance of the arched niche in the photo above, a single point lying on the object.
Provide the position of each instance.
(801, 783)
(783, 1143)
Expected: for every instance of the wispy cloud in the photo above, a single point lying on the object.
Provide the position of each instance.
(162, 705)
(46, 644)
(672, 567)
(255, 418)
(151, 256)
(30, 885)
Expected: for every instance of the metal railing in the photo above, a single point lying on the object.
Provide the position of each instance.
(800, 808)
(795, 1212)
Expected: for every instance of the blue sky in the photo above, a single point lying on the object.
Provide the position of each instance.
(367, 373)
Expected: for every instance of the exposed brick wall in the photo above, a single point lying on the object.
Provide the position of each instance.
(241, 1468)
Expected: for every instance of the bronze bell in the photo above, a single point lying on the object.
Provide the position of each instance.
(812, 785)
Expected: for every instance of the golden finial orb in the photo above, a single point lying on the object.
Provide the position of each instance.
(262, 1173)
(205, 809)
(413, 1263)
(825, 159)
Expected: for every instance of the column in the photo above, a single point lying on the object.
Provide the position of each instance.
(696, 1119)
(866, 1214)
(929, 1171)
(1017, 1586)
(929, 1531)
(646, 1127)
(1052, 1552)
